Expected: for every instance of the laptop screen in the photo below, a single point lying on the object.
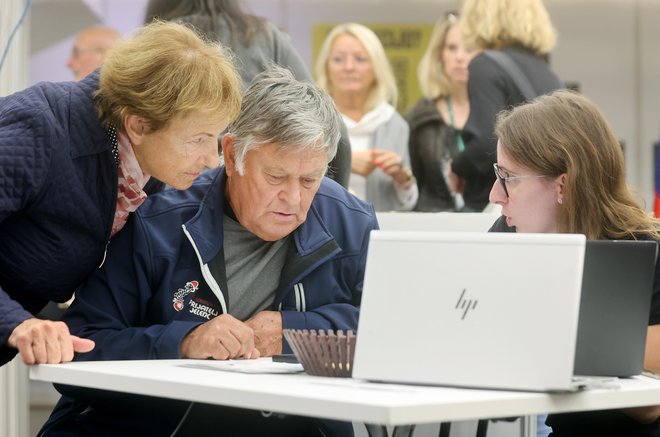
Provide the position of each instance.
(490, 310)
(614, 311)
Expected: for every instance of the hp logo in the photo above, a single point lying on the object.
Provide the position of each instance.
(465, 305)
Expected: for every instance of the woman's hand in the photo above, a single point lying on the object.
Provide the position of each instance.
(46, 342)
(392, 164)
(362, 162)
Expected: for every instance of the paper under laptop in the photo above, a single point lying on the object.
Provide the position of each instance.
(486, 310)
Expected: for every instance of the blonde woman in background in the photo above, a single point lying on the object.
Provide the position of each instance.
(437, 120)
(353, 69)
(520, 30)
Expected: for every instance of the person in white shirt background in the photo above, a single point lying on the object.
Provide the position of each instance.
(353, 69)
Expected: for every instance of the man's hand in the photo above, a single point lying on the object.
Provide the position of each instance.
(46, 342)
(221, 338)
(267, 326)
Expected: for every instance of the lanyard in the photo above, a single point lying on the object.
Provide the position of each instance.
(459, 139)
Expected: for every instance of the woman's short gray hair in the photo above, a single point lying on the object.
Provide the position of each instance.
(279, 109)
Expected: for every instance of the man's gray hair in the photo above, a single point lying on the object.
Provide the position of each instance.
(278, 109)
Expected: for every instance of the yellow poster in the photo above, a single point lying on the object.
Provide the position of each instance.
(404, 45)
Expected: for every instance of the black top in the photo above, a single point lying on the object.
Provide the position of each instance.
(604, 423)
(431, 144)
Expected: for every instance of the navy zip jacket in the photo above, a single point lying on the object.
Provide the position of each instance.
(58, 190)
(156, 286)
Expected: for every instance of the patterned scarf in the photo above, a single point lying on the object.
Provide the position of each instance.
(130, 193)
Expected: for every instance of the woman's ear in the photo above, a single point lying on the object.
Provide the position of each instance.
(561, 187)
(228, 154)
(135, 127)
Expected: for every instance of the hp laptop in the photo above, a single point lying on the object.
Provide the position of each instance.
(487, 310)
(614, 311)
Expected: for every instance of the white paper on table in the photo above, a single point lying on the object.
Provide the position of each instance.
(259, 365)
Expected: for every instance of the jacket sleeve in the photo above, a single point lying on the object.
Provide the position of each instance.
(24, 167)
(11, 315)
(488, 95)
(340, 166)
(340, 315)
(414, 152)
(112, 307)
(401, 137)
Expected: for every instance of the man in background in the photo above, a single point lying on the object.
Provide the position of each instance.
(89, 50)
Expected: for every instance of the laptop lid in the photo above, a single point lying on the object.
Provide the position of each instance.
(489, 310)
(617, 287)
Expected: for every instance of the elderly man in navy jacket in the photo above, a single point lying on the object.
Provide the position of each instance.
(263, 243)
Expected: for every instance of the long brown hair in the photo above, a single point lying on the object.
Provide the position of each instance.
(564, 132)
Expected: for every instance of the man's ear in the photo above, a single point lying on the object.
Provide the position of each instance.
(135, 127)
(228, 154)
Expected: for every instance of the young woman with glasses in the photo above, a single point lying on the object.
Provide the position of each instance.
(560, 168)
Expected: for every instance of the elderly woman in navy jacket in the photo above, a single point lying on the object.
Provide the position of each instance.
(76, 157)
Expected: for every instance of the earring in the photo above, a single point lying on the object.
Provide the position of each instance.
(560, 201)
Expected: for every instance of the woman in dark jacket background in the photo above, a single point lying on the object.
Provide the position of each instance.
(523, 31)
(437, 120)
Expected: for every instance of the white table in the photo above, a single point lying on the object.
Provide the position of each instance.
(335, 398)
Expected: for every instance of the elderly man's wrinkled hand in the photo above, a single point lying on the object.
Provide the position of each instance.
(46, 342)
(221, 338)
(267, 326)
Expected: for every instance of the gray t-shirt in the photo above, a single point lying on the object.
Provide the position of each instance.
(253, 268)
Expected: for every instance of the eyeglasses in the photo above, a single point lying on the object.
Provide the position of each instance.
(504, 179)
